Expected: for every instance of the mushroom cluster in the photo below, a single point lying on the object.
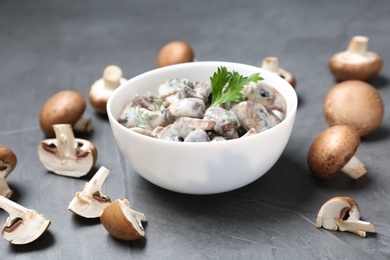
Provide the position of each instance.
(117, 217)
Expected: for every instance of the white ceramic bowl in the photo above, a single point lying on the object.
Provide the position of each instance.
(200, 168)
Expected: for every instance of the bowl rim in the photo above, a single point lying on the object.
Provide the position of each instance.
(114, 121)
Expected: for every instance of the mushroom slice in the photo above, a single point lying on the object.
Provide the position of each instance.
(333, 151)
(66, 155)
(174, 53)
(90, 202)
(102, 89)
(23, 225)
(356, 62)
(354, 103)
(65, 107)
(272, 64)
(123, 222)
(342, 213)
(8, 162)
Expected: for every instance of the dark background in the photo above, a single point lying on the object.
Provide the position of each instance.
(49, 46)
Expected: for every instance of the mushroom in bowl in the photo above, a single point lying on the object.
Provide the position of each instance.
(200, 167)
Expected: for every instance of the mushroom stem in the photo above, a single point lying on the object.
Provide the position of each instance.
(271, 64)
(112, 76)
(4, 188)
(358, 45)
(13, 209)
(83, 125)
(354, 168)
(93, 185)
(356, 226)
(66, 142)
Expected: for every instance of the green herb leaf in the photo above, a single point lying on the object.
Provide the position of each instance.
(227, 86)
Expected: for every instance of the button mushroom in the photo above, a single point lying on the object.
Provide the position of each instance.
(272, 64)
(8, 162)
(354, 103)
(174, 53)
(342, 213)
(65, 107)
(122, 222)
(66, 155)
(90, 202)
(333, 151)
(102, 88)
(23, 225)
(356, 62)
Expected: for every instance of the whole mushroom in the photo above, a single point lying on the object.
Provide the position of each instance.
(356, 62)
(355, 103)
(174, 53)
(102, 88)
(23, 225)
(122, 222)
(272, 64)
(342, 213)
(8, 162)
(66, 155)
(333, 151)
(64, 107)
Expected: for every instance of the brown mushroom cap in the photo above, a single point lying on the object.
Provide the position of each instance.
(356, 62)
(354, 103)
(65, 107)
(174, 53)
(8, 161)
(117, 218)
(332, 150)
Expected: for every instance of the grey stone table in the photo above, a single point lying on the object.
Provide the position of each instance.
(48, 46)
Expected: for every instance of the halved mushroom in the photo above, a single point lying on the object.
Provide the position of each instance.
(66, 155)
(65, 107)
(272, 64)
(174, 53)
(23, 225)
(8, 162)
(354, 103)
(102, 89)
(333, 151)
(342, 213)
(123, 222)
(90, 202)
(356, 62)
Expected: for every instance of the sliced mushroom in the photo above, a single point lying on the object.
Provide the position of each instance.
(356, 62)
(272, 64)
(8, 162)
(23, 225)
(102, 89)
(65, 107)
(342, 213)
(122, 222)
(333, 151)
(354, 103)
(66, 155)
(174, 53)
(90, 202)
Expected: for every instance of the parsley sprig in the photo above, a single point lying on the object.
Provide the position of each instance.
(227, 85)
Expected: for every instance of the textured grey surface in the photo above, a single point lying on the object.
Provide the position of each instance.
(48, 46)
